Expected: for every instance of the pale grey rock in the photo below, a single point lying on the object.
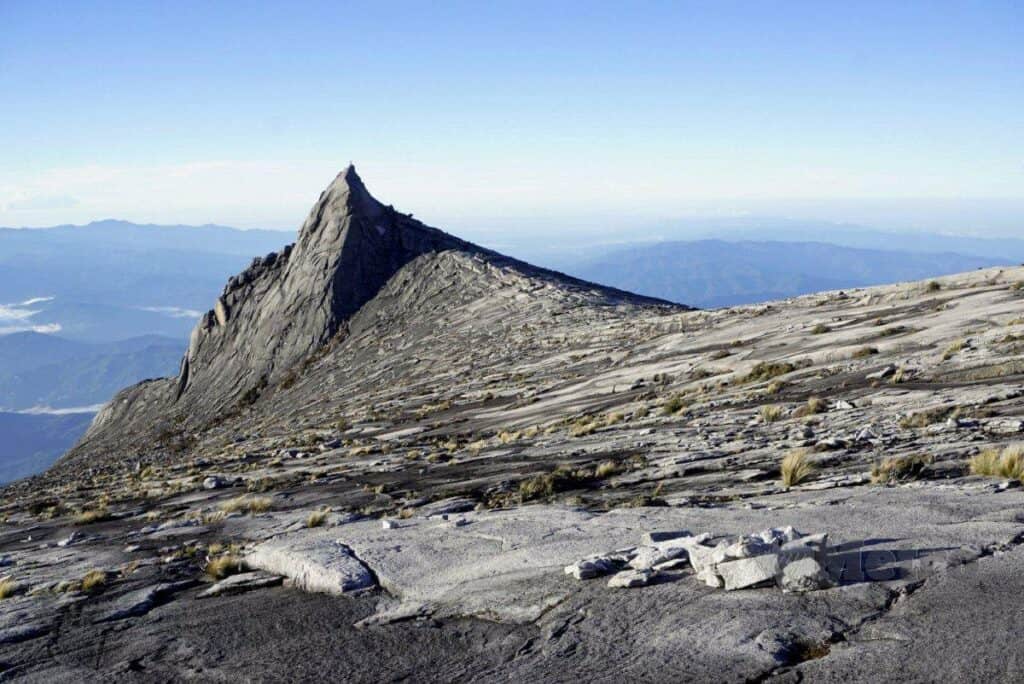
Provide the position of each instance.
(589, 568)
(813, 546)
(69, 540)
(215, 482)
(1004, 426)
(649, 556)
(246, 581)
(314, 562)
(779, 535)
(882, 374)
(803, 575)
(629, 579)
(748, 572)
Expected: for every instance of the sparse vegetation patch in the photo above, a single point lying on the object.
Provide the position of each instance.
(796, 467)
(899, 468)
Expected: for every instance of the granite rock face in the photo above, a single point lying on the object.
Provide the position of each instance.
(287, 308)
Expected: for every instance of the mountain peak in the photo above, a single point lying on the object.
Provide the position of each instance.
(288, 307)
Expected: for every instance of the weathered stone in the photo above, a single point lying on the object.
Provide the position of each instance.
(628, 579)
(245, 581)
(805, 574)
(312, 562)
(882, 374)
(588, 568)
(748, 572)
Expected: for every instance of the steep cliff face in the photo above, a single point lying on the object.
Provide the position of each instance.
(288, 308)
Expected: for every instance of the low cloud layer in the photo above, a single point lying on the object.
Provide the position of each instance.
(172, 311)
(17, 317)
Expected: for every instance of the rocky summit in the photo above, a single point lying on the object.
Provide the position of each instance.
(391, 454)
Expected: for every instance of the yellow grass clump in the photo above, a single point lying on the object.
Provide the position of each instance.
(796, 467)
(993, 462)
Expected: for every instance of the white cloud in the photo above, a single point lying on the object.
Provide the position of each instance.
(35, 300)
(41, 203)
(46, 410)
(15, 318)
(172, 311)
(45, 328)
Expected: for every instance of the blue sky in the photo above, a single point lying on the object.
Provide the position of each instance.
(239, 113)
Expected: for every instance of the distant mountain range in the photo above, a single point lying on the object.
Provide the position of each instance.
(87, 310)
(31, 443)
(566, 248)
(38, 370)
(113, 280)
(715, 273)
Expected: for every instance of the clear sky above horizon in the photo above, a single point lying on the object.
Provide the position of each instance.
(240, 113)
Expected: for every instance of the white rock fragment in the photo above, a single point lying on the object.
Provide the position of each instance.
(882, 374)
(628, 579)
(69, 540)
(748, 572)
(312, 563)
(806, 574)
(588, 568)
(601, 564)
(245, 581)
(389, 524)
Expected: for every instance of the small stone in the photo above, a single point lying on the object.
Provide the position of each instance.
(802, 575)
(813, 546)
(589, 568)
(69, 540)
(670, 565)
(882, 374)
(629, 579)
(779, 535)
(649, 556)
(214, 482)
(1004, 427)
(748, 547)
(748, 572)
(843, 405)
(389, 524)
(245, 581)
(865, 434)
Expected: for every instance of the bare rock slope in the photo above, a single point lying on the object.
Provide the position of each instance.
(272, 318)
(397, 456)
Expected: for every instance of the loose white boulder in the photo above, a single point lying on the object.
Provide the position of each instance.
(803, 575)
(749, 572)
(313, 563)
